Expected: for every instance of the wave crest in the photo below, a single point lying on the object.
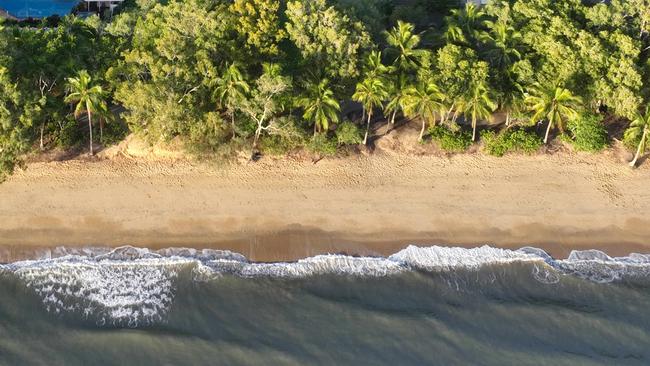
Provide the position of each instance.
(130, 286)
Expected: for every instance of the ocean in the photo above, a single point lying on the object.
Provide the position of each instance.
(420, 306)
(37, 8)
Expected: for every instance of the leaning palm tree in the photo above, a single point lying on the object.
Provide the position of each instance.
(231, 90)
(476, 104)
(639, 130)
(424, 101)
(370, 92)
(553, 103)
(320, 106)
(402, 45)
(397, 97)
(88, 96)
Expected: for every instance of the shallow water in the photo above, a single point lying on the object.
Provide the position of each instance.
(435, 305)
(37, 8)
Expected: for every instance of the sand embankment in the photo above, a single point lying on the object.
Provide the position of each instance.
(283, 209)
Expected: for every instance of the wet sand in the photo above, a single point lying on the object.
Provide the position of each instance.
(285, 210)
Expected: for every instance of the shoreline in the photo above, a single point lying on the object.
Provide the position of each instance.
(283, 210)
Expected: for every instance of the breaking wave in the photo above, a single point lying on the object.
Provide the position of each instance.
(132, 287)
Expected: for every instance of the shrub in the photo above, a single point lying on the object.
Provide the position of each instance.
(114, 132)
(631, 141)
(510, 140)
(448, 140)
(70, 134)
(348, 133)
(207, 136)
(322, 145)
(588, 133)
(284, 139)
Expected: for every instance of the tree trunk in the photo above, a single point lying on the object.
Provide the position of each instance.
(507, 119)
(474, 129)
(640, 148)
(446, 118)
(455, 117)
(90, 129)
(365, 138)
(315, 128)
(424, 123)
(42, 128)
(548, 130)
(392, 118)
(232, 123)
(258, 132)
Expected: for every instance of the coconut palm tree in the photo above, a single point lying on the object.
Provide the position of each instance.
(370, 92)
(476, 104)
(104, 115)
(320, 106)
(231, 89)
(397, 97)
(424, 100)
(639, 127)
(553, 103)
(511, 101)
(374, 67)
(402, 46)
(88, 96)
(502, 41)
(465, 22)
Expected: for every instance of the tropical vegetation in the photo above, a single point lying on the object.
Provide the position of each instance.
(231, 75)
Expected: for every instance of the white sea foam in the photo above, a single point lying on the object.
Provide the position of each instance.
(438, 258)
(597, 266)
(133, 286)
(325, 264)
(110, 292)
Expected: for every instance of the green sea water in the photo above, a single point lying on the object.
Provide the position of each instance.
(422, 306)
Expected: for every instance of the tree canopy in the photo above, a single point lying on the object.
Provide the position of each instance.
(228, 73)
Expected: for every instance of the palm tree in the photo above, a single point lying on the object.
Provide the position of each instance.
(553, 103)
(463, 23)
(502, 41)
(639, 127)
(397, 97)
(424, 100)
(374, 67)
(402, 43)
(89, 98)
(476, 104)
(231, 89)
(370, 92)
(320, 106)
(104, 115)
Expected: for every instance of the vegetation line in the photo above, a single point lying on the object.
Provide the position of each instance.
(270, 76)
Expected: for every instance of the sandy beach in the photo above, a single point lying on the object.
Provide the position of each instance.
(283, 209)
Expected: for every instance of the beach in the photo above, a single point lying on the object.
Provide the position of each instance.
(282, 209)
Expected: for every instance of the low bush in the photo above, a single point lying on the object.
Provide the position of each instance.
(321, 144)
(448, 140)
(348, 133)
(70, 134)
(588, 133)
(510, 140)
(209, 136)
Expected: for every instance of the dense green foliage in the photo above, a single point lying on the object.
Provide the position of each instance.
(448, 140)
(588, 132)
(264, 75)
(511, 140)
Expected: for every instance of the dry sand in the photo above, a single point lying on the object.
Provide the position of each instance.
(284, 210)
